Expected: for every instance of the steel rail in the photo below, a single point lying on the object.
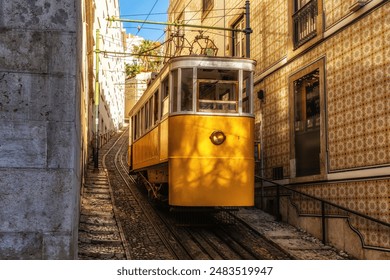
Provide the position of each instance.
(158, 231)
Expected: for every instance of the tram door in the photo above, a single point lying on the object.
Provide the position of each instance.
(307, 124)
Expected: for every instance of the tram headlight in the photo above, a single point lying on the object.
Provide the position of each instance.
(217, 137)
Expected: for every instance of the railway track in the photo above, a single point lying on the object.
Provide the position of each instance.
(217, 239)
(148, 232)
(100, 235)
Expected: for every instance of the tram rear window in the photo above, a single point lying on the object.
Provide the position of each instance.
(217, 90)
(218, 74)
(218, 96)
(186, 89)
(246, 104)
(165, 97)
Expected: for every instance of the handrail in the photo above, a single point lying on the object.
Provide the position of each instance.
(323, 203)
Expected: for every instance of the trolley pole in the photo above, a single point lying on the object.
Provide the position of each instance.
(248, 30)
(97, 98)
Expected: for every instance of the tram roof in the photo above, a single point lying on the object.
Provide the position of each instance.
(209, 61)
(227, 62)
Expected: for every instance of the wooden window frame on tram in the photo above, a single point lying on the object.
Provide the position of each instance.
(214, 102)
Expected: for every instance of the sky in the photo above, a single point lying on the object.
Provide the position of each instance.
(150, 10)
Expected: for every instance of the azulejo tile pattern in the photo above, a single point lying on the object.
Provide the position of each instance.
(269, 39)
(357, 95)
(370, 198)
(357, 82)
(358, 79)
(336, 9)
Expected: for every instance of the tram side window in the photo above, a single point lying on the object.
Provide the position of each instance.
(135, 127)
(186, 89)
(246, 92)
(138, 132)
(151, 112)
(165, 97)
(142, 121)
(155, 112)
(174, 90)
(147, 116)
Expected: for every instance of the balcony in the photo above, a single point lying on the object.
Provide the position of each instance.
(305, 23)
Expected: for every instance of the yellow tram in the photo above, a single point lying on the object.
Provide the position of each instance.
(192, 132)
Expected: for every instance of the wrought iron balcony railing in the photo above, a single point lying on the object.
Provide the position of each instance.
(305, 23)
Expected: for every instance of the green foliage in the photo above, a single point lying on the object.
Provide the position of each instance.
(132, 69)
(149, 52)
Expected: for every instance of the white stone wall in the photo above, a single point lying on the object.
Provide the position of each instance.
(39, 129)
(135, 87)
(112, 66)
(131, 42)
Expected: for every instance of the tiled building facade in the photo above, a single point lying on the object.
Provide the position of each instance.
(323, 119)
(107, 40)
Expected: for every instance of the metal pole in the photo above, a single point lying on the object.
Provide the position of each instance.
(97, 99)
(248, 30)
(323, 222)
(278, 216)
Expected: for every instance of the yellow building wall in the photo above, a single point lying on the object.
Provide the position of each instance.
(358, 82)
(270, 33)
(357, 95)
(275, 121)
(336, 10)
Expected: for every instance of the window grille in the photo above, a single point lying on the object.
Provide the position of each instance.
(304, 21)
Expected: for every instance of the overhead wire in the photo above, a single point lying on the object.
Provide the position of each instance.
(124, 54)
(159, 46)
(196, 12)
(230, 10)
(147, 17)
(165, 13)
(139, 28)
